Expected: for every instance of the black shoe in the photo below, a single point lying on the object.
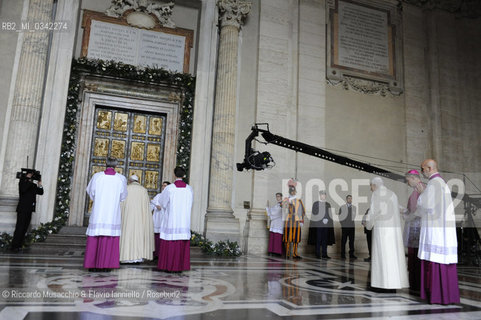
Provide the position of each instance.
(297, 257)
(382, 290)
(353, 257)
(326, 257)
(368, 259)
(318, 256)
(14, 250)
(343, 257)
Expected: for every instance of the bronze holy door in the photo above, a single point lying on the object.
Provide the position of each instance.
(136, 139)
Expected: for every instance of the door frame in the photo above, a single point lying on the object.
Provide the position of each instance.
(119, 95)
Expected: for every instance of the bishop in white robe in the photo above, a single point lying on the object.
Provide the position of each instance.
(388, 264)
(137, 237)
(438, 246)
(106, 189)
(276, 226)
(174, 233)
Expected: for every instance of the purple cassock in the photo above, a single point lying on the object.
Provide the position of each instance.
(174, 247)
(439, 282)
(275, 243)
(102, 252)
(106, 189)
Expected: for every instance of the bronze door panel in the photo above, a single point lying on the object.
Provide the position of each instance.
(135, 139)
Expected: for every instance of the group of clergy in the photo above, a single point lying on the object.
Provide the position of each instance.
(429, 234)
(122, 228)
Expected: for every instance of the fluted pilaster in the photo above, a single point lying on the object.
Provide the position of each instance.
(27, 99)
(221, 223)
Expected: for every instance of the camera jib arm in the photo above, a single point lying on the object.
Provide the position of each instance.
(306, 149)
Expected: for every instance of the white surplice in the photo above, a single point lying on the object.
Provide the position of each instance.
(437, 239)
(137, 238)
(106, 191)
(275, 214)
(177, 205)
(158, 215)
(388, 262)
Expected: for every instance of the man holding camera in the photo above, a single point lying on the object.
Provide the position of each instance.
(28, 191)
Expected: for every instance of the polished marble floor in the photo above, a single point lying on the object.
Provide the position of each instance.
(52, 284)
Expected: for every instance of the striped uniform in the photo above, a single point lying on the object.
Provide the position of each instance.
(295, 216)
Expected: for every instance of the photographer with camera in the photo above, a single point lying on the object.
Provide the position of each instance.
(28, 191)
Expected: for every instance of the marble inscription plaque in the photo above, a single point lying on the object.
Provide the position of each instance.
(363, 39)
(135, 46)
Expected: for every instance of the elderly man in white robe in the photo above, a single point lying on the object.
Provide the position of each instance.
(106, 189)
(438, 246)
(137, 238)
(176, 201)
(388, 263)
(276, 228)
(157, 218)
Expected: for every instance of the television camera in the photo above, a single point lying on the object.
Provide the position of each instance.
(22, 174)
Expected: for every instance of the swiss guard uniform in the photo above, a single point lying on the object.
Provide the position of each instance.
(293, 221)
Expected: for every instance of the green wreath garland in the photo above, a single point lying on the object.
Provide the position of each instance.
(220, 248)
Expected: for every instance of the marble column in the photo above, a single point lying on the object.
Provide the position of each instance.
(50, 134)
(27, 99)
(220, 221)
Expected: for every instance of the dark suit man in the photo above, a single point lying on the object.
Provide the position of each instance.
(28, 191)
(347, 214)
(322, 223)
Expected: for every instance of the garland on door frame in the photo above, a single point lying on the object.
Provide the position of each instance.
(186, 84)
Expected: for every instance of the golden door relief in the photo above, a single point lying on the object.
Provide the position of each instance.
(139, 124)
(155, 126)
(118, 149)
(136, 139)
(137, 151)
(120, 122)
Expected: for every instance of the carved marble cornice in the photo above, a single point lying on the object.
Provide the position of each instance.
(162, 11)
(365, 86)
(233, 12)
(461, 8)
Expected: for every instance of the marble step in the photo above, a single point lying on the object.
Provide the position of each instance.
(73, 230)
(66, 239)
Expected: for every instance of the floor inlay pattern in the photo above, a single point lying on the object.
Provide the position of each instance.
(54, 285)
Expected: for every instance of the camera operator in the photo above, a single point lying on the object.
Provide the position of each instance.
(28, 191)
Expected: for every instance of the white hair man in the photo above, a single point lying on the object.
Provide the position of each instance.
(388, 265)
